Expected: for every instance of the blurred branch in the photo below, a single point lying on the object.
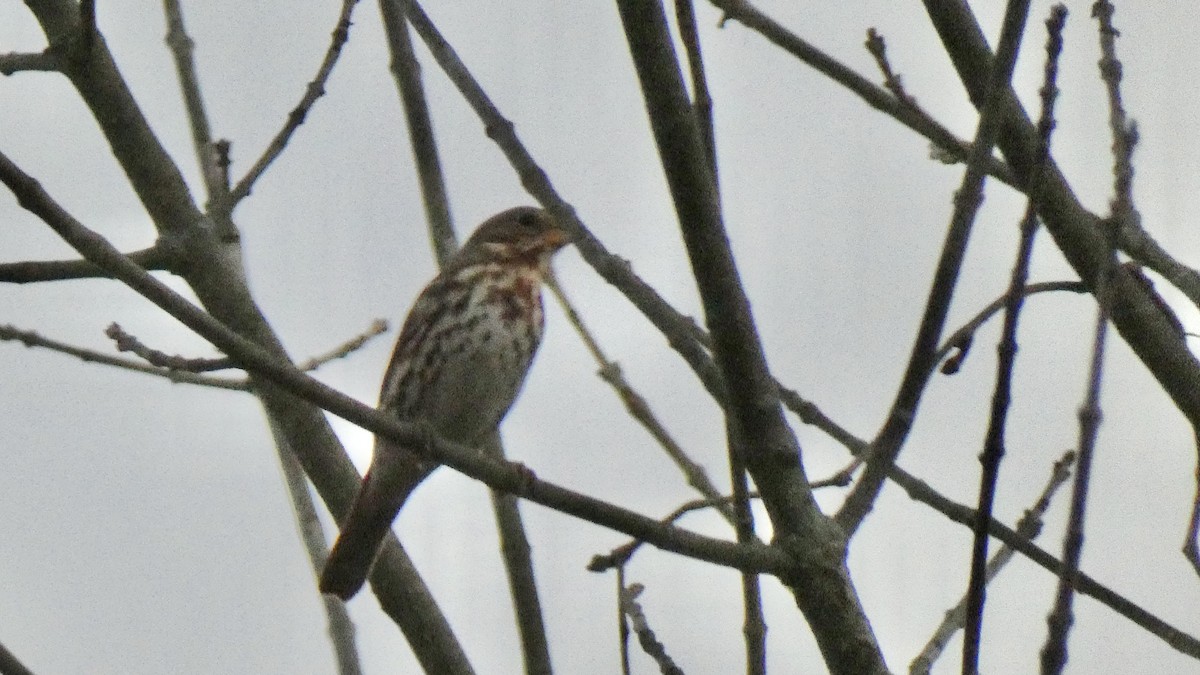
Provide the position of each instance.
(15, 62)
(1054, 652)
(407, 72)
(1135, 309)
(641, 627)
(208, 155)
(377, 327)
(639, 409)
(10, 665)
(743, 12)
(312, 534)
(1028, 527)
(129, 343)
(1191, 548)
(153, 258)
(314, 91)
(891, 81)
(1006, 349)
(702, 105)
(33, 339)
(755, 426)
(502, 476)
(890, 440)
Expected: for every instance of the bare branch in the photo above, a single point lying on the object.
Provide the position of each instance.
(645, 634)
(407, 72)
(1028, 527)
(702, 105)
(10, 665)
(312, 534)
(208, 156)
(1054, 652)
(33, 339)
(637, 407)
(890, 439)
(880, 99)
(314, 91)
(153, 258)
(891, 81)
(994, 439)
(16, 62)
(1191, 548)
(503, 476)
(377, 327)
(128, 343)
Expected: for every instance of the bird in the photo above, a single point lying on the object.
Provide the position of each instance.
(458, 365)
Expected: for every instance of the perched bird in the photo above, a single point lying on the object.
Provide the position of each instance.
(457, 367)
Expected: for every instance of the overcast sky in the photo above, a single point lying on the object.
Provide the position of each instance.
(145, 525)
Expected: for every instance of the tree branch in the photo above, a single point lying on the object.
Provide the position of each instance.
(890, 439)
(153, 258)
(271, 368)
(314, 91)
(754, 416)
(15, 62)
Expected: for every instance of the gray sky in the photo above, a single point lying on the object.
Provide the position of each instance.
(145, 524)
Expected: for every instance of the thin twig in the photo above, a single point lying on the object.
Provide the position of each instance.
(1028, 527)
(208, 156)
(960, 340)
(1006, 349)
(1177, 639)
(314, 91)
(891, 81)
(890, 439)
(33, 339)
(312, 534)
(949, 145)
(377, 327)
(129, 343)
(1054, 652)
(637, 406)
(641, 627)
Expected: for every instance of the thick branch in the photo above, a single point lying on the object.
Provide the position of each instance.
(823, 591)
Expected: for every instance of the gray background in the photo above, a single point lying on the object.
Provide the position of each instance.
(145, 526)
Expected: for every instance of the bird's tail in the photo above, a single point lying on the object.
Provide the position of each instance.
(384, 490)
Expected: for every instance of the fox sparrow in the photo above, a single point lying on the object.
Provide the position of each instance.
(458, 365)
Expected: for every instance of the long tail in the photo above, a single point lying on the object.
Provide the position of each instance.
(385, 488)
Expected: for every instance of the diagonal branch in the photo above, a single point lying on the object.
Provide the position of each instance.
(1136, 312)
(745, 13)
(314, 91)
(501, 476)
(407, 72)
(32, 339)
(890, 439)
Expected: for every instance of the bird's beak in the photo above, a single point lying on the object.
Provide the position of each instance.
(555, 239)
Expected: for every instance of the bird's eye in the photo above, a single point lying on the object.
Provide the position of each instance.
(527, 219)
